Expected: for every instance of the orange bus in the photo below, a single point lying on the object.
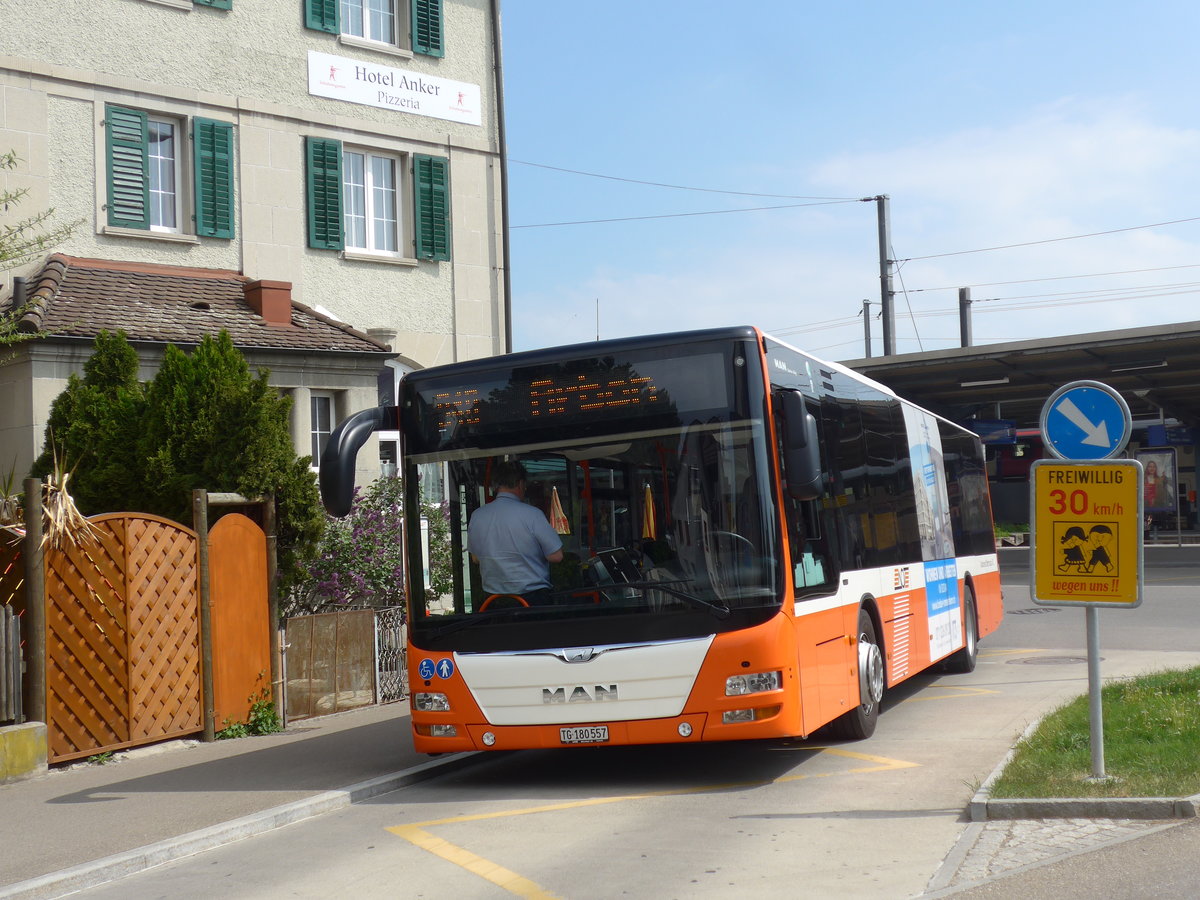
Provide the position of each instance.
(757, 543)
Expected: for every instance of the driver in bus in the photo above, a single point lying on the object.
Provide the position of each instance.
(512, 541)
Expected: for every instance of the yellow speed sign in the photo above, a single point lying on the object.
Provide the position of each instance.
(1087, 532)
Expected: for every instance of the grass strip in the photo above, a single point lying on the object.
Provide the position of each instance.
(1151, 744)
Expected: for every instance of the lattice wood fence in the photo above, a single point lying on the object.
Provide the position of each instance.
(123, 637)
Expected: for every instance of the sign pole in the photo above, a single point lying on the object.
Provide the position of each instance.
(1087, 521)
(1095, 706)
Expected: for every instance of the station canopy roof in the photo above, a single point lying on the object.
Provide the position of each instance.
(1156, 369)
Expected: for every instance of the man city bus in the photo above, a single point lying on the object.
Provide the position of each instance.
(755, 543)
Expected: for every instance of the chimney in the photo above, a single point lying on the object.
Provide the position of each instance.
(271, 299)
(385, 336)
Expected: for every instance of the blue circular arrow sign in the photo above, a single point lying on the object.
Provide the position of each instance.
(1086, 420)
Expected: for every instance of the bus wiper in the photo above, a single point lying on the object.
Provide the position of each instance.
(720, 610)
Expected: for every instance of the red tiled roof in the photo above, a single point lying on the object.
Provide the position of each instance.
(77, 297)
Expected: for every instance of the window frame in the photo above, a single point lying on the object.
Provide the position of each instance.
(399, 22)
(180, 202)
(318, 438)
(400, 188)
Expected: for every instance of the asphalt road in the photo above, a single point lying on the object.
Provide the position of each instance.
(872, 819)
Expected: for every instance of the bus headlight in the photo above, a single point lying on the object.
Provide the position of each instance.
(428, 702)
(738, 685)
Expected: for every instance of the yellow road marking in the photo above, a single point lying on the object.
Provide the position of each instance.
(476, 865)
(523, 887)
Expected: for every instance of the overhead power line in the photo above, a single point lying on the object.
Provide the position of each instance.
(1073, 237)
(956, 287)
(675, 187)
(710, 212)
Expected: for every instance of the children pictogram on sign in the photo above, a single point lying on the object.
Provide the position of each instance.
(1086, 552)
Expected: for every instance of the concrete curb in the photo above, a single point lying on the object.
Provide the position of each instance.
(983, 808)
(23, 751)
(120, 865)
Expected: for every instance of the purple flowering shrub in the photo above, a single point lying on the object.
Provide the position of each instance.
(360, 560)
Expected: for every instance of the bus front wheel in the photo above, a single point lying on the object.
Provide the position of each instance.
(859, 723)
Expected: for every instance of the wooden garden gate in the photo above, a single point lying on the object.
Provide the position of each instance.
(122, 645)
(122, 637)
(241, 618)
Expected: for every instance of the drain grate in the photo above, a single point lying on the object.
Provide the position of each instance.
(1049, 661)
(1033, 610)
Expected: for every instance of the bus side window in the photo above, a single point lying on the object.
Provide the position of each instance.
(810, 569)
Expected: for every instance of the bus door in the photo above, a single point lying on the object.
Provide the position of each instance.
(822, 645)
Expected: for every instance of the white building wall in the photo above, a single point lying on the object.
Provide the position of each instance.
(248, 66)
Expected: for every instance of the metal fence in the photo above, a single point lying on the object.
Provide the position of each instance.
(10, 667)
(343, 660)
(391, 654)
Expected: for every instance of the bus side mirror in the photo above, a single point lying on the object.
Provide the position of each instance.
(337, 460)
(801, 448)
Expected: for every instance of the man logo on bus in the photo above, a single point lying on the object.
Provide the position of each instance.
(900, 579)
(580, 694)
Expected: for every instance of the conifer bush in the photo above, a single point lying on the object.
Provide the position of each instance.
(203, 421)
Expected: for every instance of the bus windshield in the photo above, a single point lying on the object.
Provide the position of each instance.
(653, 470)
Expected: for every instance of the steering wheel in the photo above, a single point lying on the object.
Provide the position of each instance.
(516, 597)
(734, 543)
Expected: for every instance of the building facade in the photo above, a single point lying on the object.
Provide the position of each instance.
(346, 148)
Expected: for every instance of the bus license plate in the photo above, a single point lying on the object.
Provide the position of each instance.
(588, 734)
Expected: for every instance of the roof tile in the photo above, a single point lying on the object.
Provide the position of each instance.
(78, 297)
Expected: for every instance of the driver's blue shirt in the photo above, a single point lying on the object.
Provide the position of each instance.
(511, 540)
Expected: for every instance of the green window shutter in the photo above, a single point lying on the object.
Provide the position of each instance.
(431, 183)
(216, 4)
(212, 148)
(322, 15)
(128, 148)
(427, 27)
(324, 171)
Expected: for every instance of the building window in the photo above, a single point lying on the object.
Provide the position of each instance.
(371, 197)
(320, 423)
(145, 161)
(414, 25)
(374, 20)
(355, 201)
(163, 167)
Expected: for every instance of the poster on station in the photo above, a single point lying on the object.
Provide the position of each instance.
(1160, 480)
(1086, 532)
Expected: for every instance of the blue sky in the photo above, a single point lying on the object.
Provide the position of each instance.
(987, 125)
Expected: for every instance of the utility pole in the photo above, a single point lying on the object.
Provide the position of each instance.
(964, 315)
(866, 314)
(886, 294)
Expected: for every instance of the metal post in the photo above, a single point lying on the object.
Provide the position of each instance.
(273, 602)
(200, 524)
(502, 154)
(886, 294)
(1095, 706)
(35, 604)
(964, 315)
(866, 314)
